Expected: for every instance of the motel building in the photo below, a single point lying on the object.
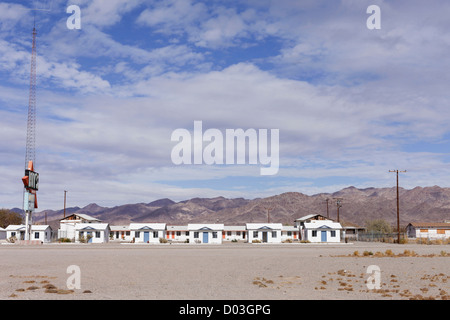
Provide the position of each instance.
(428, 230)
(41, 233)
(322, 231)
(264, 232)
(205, 233)
(147, 232)
(177, 233)
(234, 233)
(120, 233)
(68, 224)
(289, 233)
(92, 232)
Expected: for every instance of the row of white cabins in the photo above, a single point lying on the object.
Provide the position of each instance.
(313, 228)
(82, 227)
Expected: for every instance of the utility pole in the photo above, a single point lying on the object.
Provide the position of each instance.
(328, 214)
(65, 203)
(398, 207)
(338, 205)
(268, 213)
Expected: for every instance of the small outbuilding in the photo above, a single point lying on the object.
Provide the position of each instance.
(2, 234)
(428, 230)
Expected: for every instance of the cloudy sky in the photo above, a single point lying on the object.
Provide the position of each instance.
(350, 103)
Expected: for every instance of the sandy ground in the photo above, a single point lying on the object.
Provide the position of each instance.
(228, 271)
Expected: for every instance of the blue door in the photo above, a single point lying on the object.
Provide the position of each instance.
(205, 237)
(146, 236)
(324, 236)
(90, 238)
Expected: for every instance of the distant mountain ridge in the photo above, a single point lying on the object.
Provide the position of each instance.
(428, 204)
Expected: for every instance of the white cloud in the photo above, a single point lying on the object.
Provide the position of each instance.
(346, 99)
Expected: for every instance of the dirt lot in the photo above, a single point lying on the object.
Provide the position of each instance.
(228, 271)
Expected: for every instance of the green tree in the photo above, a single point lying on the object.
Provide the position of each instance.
(8, 217)
(378, 226)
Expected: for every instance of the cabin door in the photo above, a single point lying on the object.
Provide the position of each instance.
(323, 236)
(205, 237)
(146, 236)
(264, 237)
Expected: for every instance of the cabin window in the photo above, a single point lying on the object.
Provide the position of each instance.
(289, 233)
(137, 234)
(274, 234)
(214, 234)
(155, 234)
(333, 233)
(228, 233)
(238, 233)
(196, 235)
(255, 234)
(314, 233)
(36, 235)
(178, 233)
(97, 234)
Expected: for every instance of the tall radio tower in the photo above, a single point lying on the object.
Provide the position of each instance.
(31, 178)
(31, 123)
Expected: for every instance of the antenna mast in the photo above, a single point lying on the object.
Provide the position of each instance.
(31, 123)
(31, 178)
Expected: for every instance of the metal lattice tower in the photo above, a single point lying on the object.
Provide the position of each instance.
(31, 123)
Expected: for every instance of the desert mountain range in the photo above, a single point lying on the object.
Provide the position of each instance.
(429, 204)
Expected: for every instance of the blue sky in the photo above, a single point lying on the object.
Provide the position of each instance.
(350, 103)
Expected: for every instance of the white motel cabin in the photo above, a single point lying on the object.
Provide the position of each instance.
(120, 233)
(92, 232)
(42, 233)
(234, 233)
(147, 232)
(264, 232)
(177, 233)
(205, 233)
(289, 233)
(322, 231)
